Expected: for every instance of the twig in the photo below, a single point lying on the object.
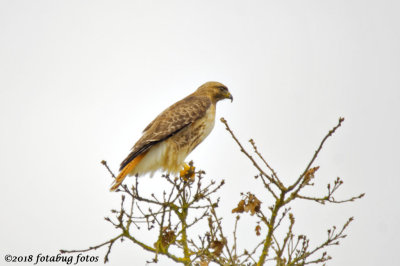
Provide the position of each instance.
(330, 133)
(103, 162)
(109, 242)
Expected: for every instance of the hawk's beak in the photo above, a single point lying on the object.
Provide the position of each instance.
(229, 96)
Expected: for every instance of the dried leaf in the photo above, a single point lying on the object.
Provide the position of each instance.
(310, 174)
(253, 204)
(240, 207)
(258, 229)
(217, 246)
(249, 204)
(167, 237)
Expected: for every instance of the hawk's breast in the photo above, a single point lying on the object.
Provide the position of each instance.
(202, 128)
(180, 145)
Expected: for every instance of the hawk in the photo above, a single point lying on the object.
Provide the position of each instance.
(174, 133)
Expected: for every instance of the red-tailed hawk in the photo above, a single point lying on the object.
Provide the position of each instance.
(174, 133)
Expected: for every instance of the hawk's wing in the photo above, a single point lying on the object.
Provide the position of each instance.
(172, 120)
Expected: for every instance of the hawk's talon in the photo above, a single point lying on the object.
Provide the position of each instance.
(188, 173)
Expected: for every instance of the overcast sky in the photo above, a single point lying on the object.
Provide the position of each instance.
(79, 81)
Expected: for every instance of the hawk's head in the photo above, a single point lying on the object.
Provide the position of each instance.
(215, 90)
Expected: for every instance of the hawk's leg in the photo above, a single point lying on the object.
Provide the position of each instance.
(188, 172)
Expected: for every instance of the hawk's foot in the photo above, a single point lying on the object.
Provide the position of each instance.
(188, 172)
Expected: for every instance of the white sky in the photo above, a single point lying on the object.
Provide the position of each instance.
(79, 80)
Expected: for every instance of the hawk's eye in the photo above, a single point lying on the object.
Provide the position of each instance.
(222, 88)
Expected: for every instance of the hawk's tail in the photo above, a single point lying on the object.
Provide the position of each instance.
(126, 170)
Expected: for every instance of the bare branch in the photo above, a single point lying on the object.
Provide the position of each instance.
(330, 133)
